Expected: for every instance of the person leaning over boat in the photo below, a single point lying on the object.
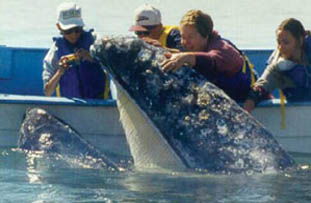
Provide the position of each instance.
(148, 26)
(288, 67)
(212, 56)
(68, 67)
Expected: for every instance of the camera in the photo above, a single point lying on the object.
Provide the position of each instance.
(72, 59)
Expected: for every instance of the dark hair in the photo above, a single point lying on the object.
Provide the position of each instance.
(202, 22)
(293, 26)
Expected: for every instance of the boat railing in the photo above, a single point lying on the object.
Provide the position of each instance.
(21, 68)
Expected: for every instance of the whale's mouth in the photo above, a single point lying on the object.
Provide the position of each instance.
(148, 146)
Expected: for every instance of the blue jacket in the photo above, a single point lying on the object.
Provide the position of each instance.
(83, 80)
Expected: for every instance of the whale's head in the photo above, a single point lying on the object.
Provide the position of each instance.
(180, 120)
(45, 133)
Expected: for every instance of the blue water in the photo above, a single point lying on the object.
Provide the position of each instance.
(248, 23)
(34, 179)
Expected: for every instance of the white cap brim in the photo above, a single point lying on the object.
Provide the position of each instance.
(68, 24)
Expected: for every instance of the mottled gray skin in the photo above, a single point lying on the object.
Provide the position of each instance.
(41, 131)
(207, 129)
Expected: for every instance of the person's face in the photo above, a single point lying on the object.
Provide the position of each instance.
(72, 35)
(191, 39)
(288, 46)
(142, 34)
(150, 32)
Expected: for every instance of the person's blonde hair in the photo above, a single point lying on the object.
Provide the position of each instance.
(201, 21)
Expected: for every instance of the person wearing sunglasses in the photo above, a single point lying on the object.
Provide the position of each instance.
(68, 68)
(148, 26)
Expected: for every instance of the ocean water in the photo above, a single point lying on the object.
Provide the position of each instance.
(34, 179)
(248, 23)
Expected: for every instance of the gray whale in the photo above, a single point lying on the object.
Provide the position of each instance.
(180, 121)
(43, 132)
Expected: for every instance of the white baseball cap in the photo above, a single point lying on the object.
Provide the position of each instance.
(145, 15)
(69, 16)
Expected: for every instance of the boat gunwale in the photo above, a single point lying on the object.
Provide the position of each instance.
(44, 100)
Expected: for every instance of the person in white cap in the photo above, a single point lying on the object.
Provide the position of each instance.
(148, 26)
(68, 67)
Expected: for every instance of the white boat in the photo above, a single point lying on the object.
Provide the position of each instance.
(295, 136)
(98, 120)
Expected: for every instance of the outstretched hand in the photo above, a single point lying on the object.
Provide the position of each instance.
(175, 61)
(249, 105)
(152, 41)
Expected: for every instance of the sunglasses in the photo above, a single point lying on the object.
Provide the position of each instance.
(146, 33)
(142, 33)
(76, 30)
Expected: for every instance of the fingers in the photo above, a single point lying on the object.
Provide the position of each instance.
(249, 105)
(168, 55)
(173, 50)
(63, 62)
(152, 41)
(170, 65)
(66, 61)
(84, 55)
(173, 62)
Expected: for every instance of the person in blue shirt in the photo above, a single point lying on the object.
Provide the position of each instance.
(68, 67)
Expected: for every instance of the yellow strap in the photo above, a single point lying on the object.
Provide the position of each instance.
(105, 94)
(58, 91)
(282, 98)
(251, 67)
(167, 29)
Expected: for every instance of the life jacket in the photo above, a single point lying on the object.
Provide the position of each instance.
(86, 79)
(238, 86)
(165, 33)
(300, 75)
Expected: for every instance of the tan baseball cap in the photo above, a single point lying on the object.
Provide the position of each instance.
(145, 15)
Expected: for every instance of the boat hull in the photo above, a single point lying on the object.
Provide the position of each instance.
(99, 121)
(295, 136)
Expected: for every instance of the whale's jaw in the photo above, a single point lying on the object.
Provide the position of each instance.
(147, 145)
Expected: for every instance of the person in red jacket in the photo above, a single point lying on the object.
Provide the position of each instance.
(212, 56)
